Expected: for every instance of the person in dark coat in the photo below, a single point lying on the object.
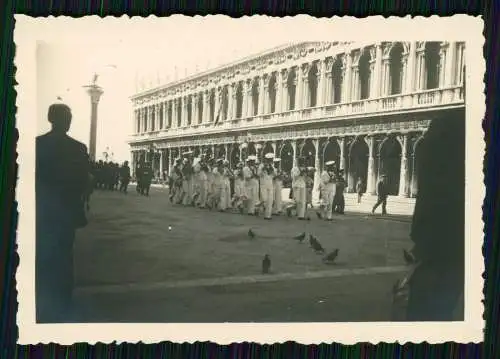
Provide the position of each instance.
(61, 179)
(382, 195)
(124, 177)
(146, 178)
(138, 177)
(437, 285)
(339, 200)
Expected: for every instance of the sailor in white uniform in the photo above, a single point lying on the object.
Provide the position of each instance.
(266, 175)
(328, 188)
(277, 187)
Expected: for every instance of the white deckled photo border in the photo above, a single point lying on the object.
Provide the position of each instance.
(300, 28)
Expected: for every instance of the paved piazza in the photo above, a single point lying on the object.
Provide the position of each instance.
(131, 267)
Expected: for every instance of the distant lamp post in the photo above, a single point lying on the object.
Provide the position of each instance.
(95, 92)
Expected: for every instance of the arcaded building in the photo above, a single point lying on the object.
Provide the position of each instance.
(365, 105)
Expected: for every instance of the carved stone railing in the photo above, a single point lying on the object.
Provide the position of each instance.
(452, 96)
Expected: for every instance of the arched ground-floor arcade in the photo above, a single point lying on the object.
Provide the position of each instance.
(364, 151)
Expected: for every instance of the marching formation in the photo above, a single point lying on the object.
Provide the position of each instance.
(254, 188)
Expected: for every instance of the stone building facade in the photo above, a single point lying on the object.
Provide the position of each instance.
(365, 105)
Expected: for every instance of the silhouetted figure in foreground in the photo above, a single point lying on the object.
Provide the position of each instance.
(62, 175)
(437, 285)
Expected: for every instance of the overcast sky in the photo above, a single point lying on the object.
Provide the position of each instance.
(64, 67)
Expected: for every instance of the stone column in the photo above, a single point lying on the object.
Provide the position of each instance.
(295, 155)
(230, 103)
(298, 89)
(165, 116)
(244, 107)
(279, 92)
(217, 102)
(371, 177)
(227, 148)
(262, 93)
(266, 97)
(346, 94)
(409, 86)
(341, 142)
(174, 113)
(317, 172)
(206, 106)
(377, 69)
(161, 162)
(355, 87)
(320, 98)
(285, 98)
(234, 101)
(403, 185)
(194, 109)
(449, 78)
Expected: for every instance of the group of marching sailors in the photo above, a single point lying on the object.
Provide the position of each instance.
(252, 187)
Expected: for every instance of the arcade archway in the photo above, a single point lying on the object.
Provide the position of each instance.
(308, 151)
(267, 148)
(331, 152)
(234, 157)
(286, 155)
(358, 162)
(390, 164)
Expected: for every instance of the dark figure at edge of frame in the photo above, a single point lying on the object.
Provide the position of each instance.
(146, 179)
(124, 177)
(62, 174)
(138, 177)
(382, 195)
(436, 287)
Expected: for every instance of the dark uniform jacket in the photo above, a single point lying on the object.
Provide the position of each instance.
(62, 176)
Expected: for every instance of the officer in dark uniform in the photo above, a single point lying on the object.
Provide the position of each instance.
(147, 177)
(138, 177)
(124, 177)
(338, 199)
(62, 174)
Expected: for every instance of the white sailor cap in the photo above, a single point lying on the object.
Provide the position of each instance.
(329, 163)
(310, 168)
(251, 158)
(269, 155)
(185, 160)
(277, 159)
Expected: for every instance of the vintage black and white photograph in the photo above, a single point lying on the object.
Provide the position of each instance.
(216, 170)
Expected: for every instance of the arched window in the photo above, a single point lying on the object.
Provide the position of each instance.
(179, 113)
(291, 82)
(272, 93)
(161, 116)
(364, 75)
(312, 77)
(225, 105)
(200, 108)
(153, 119)
(137, 122)
(212, 105)
(255, 96)
(432, 64)
(189, 110)
(169, 114)
(396, 69)
(337, 79)
(239, 100)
